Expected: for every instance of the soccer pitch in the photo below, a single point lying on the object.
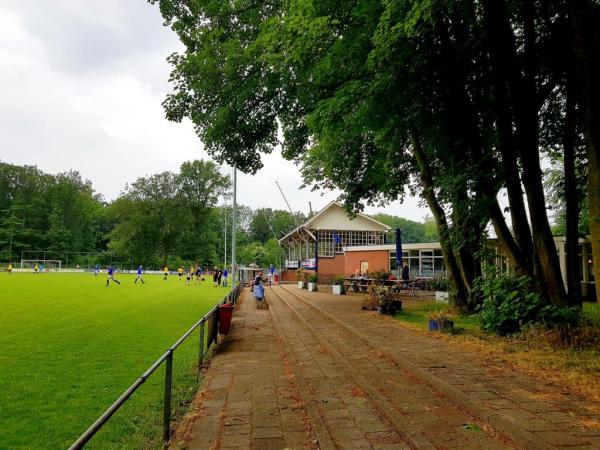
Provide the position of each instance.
(70, 346)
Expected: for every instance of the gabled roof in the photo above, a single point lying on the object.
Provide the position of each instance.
(331, 204)
(309, 224)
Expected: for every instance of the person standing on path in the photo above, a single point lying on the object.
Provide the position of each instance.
(405, 275)
(140, 271)
(111, 275)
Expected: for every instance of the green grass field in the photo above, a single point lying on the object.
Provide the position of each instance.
(70, 346)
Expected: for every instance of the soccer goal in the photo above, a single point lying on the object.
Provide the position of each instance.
(47, 265)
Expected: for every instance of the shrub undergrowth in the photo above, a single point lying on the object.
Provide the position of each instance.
(510, 303)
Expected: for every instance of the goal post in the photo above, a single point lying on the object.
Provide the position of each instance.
(53, 265)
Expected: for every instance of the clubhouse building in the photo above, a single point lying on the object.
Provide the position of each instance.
(331, 243)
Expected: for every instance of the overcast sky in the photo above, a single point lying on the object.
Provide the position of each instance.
(82, 83)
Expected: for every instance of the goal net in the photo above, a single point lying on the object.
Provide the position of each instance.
(46, 265)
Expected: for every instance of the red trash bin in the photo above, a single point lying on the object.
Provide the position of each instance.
(276, 278)
(225, 314)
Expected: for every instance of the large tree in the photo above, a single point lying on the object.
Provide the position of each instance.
(374, 96)
(170, 214)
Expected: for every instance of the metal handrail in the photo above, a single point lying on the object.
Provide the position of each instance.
(231, 297)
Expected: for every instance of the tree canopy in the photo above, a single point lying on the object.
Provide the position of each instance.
(455, 100)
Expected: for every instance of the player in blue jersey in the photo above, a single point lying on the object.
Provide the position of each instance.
(140, 271)
(96, 270)
(111, 275)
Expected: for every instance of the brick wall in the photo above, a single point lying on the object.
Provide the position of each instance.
(378, 259)
(328, 267)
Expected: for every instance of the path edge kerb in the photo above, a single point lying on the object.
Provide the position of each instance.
(515, 432)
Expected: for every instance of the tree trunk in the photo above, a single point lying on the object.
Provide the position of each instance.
(523, 98)
(458, 290)
(506, 145)
(588, 70)
(571, 194)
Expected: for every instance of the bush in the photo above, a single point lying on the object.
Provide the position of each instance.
(301, 274)
(380, 276)
(337, 280)
(440, 284)
(509, 303)
(312, 278)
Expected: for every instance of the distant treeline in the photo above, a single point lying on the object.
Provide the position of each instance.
(167, 218)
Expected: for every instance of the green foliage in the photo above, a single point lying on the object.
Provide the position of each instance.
(554, 186)
(440, 284)
(411, 231)
(337, 280)
(169, 213)
(509, 303)
(313, 278)
(53, 212)
(380, 276)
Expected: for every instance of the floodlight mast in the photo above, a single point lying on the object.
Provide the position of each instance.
(233, 228)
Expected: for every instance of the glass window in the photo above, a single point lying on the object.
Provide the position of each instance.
(426, 263)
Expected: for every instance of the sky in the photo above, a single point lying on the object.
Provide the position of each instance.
(82, 82)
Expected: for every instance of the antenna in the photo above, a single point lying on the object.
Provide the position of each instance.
(286, 202)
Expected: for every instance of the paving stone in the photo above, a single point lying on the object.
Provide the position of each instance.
(287, 374)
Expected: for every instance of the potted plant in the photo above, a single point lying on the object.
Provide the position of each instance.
(387, 301)
(441, 286)
(380, 276)
(312, 282)
(439, 321)
(337, 284)
(301, 277)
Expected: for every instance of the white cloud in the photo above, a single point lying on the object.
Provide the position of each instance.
(82, 86)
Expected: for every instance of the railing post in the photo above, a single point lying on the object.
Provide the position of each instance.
(201, 352)
(167, 399)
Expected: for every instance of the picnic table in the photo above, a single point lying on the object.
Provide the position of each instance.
(358, 284)
(364, 285)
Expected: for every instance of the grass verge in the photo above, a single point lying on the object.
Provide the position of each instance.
(577, 369)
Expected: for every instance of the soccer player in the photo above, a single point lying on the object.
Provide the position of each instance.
(111, 275)
(9, 268)
(166, 273)
(96, 270)
(36, 269)
(198, 274)
(225, 275)
(139, 276)
(189, 275)
(180, 272)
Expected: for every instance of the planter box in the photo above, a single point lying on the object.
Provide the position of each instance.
(442, 296)
(301, 285)
(390, 310)
(446, 326)
(338, 289)
(312, 287)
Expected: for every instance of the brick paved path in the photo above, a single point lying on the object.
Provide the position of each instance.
(315, 371)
